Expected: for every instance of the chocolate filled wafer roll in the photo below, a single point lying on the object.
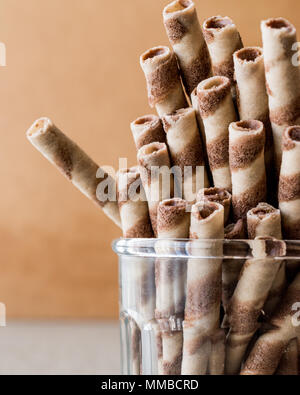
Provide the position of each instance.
(186, 152)
(264, 220)
(223, 39)
(282, 76)
(276, 291)
(146, 130)
(156, 176)
(217, 195)
(247, 301)
(186, 37)
(289, 183)
(135, 347)
(165, 91)
(231, 268)
(139, 272)
(235, 231)
(173, 221)
(252, 97)
(267, 352)
(195, 105)
(217, 111)
(246, 153)
(133, 205)
(204, 283)
(75, 165)
(288, 365)
(216, 363)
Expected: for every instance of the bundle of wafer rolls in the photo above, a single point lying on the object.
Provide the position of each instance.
(219, 167)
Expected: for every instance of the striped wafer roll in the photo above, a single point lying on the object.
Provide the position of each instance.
(217, 111)
(266, 354)
(75, 165)
(216, 363)
(289, 183)
(252, 97)
(156, 176)
(283, 78)
(186, 152)
(246, 153)
(186, 37)
(133, 205)
(165, 91)
(276, 291)
(223, 39)
(231, 268)
(135, 347)
(173, 221)
(247, 301)
(139, 272)
(265, 220)
(146, 130)
(217, 195)
(195, 105)
(235, 231)
(204, 282)
(288, 365)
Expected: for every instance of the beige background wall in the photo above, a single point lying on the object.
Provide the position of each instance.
(76, 61)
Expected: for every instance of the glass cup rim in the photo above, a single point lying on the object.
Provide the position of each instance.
(208, 248)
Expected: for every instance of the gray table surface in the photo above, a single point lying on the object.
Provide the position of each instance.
(60, 347)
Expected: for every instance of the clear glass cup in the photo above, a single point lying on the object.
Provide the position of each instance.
(175, 298)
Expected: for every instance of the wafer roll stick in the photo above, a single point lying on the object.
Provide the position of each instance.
(156, 176)
(173, 222)
(217, 195)
(276, 291)
(266, 354)
(165, 91)
(246, 304)
(246, 153)
(252, 97)
(265, 220)
(216, 363)
(133, 205)
(186, 37)
(75, 165)
(223, 39)
(289, 183)
(204, 282)
(283, 78)
(217, 111)
(195, 105)
(146, 130)
(139, 272)
(288, 365)
(186, 152)
(135, 347)
(231, 268)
